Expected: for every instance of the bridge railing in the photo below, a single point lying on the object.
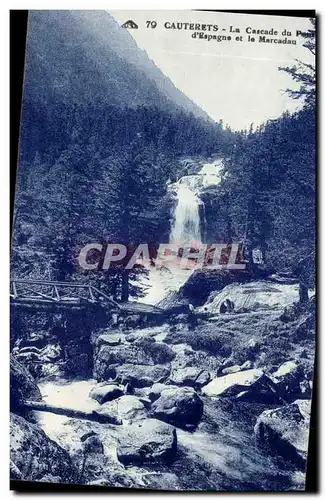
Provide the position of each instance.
(56, 291)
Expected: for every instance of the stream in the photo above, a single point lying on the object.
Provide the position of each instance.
(222, 452)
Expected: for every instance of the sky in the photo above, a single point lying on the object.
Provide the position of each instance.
(236, 81)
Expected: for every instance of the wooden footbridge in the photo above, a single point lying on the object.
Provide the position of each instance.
(69, 295)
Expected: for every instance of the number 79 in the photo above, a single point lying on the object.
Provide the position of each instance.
(151, 24)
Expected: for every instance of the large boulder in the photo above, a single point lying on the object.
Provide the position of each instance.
(148, 441)
(22, 386)
(200, 284)
(290, 381)
(127, 408)
(141, 375)
(155, 390)
(33, 455)
(226, 369)
(107, 392)
(190, 377)
(112, 339)
(143, 351)
(99, 468)
(285, 431)
(180, 406)
(247, 385)
(92, 443)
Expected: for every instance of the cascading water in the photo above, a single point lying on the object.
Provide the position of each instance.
(186, 227)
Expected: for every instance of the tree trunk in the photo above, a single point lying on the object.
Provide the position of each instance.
(125, 286)
(68, 412)
(303, 293)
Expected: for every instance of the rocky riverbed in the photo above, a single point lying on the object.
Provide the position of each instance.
(223, 405)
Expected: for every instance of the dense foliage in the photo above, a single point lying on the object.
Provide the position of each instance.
(93, 173)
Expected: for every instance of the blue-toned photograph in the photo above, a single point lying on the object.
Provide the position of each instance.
(162, 289)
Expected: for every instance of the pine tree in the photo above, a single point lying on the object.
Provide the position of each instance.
(304, 73)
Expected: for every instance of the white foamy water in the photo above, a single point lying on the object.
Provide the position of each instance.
(254, 295)
(211, 173)
(186, 227)
(69, 394)
(162, 281)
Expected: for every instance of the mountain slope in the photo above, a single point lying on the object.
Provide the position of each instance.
(85, 56)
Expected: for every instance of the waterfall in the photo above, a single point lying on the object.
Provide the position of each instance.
(185, 231)
(186, 227)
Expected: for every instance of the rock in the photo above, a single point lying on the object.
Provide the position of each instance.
(304, 354)
(96, 467)
(87, 435)
(143, 351)
(285, 431)
(93, 444)
(106, 339)
(48, 478)
(114, 480)
(251, 350)
(130, 408)
(287, 379)
(146, 402)
(231, 369)
(181, 319)
(105, 393)
(248, 385)
(237, 368)
(105, 475)
(170, 301)
(15, 473)
(130, 338)
(180, 309)
(289, 314)
(155, 390)
(201, 283)
(305, 328)
(133, 321)
(141, 375)
(202, 379)
(71, 350)
(179, 406)
(34, 455)
(165, 481)
(190, 377)
(306, 387)
(126, 409)
(128, 388)
(247, 365)
(226, 363)
(150, 441)
(22, 386)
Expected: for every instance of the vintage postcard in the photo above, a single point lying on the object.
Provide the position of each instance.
(163, 251)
